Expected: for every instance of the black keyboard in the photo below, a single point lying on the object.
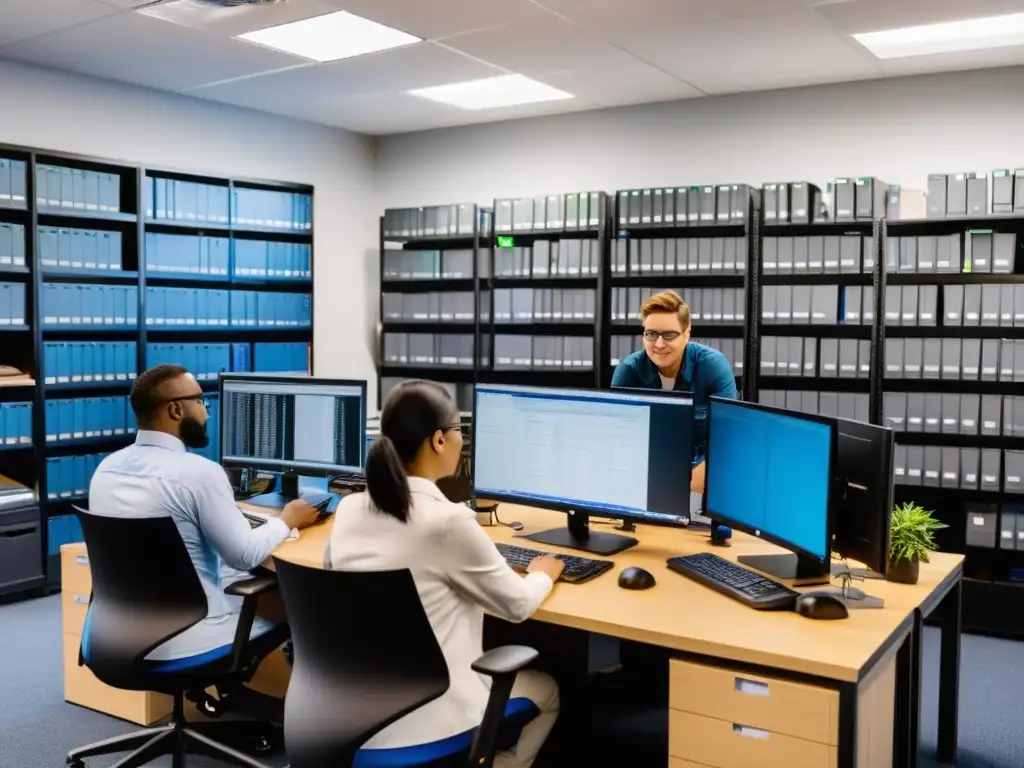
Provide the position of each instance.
(739, 583)
(319, 501)
(577, 569)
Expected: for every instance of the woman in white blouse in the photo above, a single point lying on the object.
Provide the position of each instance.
(404, 521)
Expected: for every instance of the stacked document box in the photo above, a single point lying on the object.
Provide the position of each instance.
(12, 246)
(636, 256)
(287, 357)
(204, 361)
(843, 405)
(15, 425)
(75, 305)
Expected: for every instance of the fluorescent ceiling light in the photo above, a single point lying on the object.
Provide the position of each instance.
(945, 37)
(333, 36)
(491, 92)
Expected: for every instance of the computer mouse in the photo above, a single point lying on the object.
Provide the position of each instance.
(821, 605)
(636, 578)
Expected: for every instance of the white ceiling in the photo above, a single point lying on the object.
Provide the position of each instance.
(605, 52)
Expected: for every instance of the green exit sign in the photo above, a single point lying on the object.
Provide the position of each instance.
(506, 241)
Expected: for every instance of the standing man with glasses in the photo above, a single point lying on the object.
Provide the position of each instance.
(669, 360)
(157, 477)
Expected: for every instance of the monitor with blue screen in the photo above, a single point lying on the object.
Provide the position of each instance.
(623, 455)
(769, 474)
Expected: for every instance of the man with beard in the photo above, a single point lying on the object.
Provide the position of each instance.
(157, 476)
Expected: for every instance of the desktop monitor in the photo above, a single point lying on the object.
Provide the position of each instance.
(864, 475)
(293, 425)
(769, 474)
(624, 455)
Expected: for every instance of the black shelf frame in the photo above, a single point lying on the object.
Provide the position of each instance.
(131, 222)
(749, 229)
(582, 377)
(478, 241)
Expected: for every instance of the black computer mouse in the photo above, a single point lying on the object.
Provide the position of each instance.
(821, 605)
(636, 578)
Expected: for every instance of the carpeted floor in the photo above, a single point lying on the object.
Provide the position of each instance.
(37, 728)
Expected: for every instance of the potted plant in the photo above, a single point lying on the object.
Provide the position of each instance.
(911, 538)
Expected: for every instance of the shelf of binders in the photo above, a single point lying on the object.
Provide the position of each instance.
(434, 264)
(72, 191)
(817, 310)
(547, 273)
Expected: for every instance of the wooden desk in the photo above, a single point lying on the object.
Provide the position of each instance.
(750, 687)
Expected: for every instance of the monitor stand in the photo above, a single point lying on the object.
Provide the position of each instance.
(578, 535)
(288, 490)
(802, 571)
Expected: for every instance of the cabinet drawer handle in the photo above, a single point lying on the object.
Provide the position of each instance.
(82, 599)
(82, 559)
(752, 687)
(750, 733)
(17, 533)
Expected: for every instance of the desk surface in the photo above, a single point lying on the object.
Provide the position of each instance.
(681, 614)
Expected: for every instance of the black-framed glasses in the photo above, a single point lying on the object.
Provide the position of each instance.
(666, 335)
(203, 400)
(463, 428)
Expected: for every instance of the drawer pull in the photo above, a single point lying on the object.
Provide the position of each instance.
(81, 599)
(82, 559)
(750, 733)
(753, 687)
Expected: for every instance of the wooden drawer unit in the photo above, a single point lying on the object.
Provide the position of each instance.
(75, 575)
(81, 687)
(723, 744)
(779, 706)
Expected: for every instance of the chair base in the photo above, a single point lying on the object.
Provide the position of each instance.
(175, 739)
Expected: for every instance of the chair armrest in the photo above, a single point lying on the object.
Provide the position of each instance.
(506, 660)
(250, 590)
(253, 587)
(501, 664)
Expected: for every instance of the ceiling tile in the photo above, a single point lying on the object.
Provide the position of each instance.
(875, 15)
(24, 19)
(296, 91)
(434, 19)
(773, 51)
(619, 19)
(138, 49)
(620, 79)
(531, 49)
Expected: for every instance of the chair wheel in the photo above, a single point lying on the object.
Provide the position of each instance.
(264, 744)
(75, 764)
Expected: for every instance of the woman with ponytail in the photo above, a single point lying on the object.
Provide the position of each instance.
(404, 521)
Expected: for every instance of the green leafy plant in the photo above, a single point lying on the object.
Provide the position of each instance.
(912, 533)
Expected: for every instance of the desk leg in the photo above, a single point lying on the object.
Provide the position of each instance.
(848, 693)
(949, 673)
(907, 719)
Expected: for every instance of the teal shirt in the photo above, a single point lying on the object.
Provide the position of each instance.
(705, 372)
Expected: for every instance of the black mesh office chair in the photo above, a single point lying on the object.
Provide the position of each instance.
(366, 655)
(145, 591)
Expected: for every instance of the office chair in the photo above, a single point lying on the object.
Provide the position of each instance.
(145, 591)
(366, 655)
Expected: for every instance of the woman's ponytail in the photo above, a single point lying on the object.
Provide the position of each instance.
(386, 479)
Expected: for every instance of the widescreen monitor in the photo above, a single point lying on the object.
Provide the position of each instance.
(617, 454)
(298, 426)
(769, 474)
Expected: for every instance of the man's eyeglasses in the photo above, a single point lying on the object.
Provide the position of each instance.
(666, 335)
(463, 428)
(203, 400)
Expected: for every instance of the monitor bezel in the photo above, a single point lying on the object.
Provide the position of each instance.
(269, 465)
(824, 561)
(586, 508)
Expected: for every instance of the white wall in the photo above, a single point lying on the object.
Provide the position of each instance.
(67, 113)
(898, 130)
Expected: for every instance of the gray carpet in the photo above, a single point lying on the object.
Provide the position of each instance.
(37, 728)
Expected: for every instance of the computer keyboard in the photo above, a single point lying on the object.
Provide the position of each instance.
(319, 501)
(577, 569)
(739, 583)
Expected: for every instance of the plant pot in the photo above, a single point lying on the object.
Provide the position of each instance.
(904, 571)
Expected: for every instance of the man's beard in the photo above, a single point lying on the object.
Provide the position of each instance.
(193, 433)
